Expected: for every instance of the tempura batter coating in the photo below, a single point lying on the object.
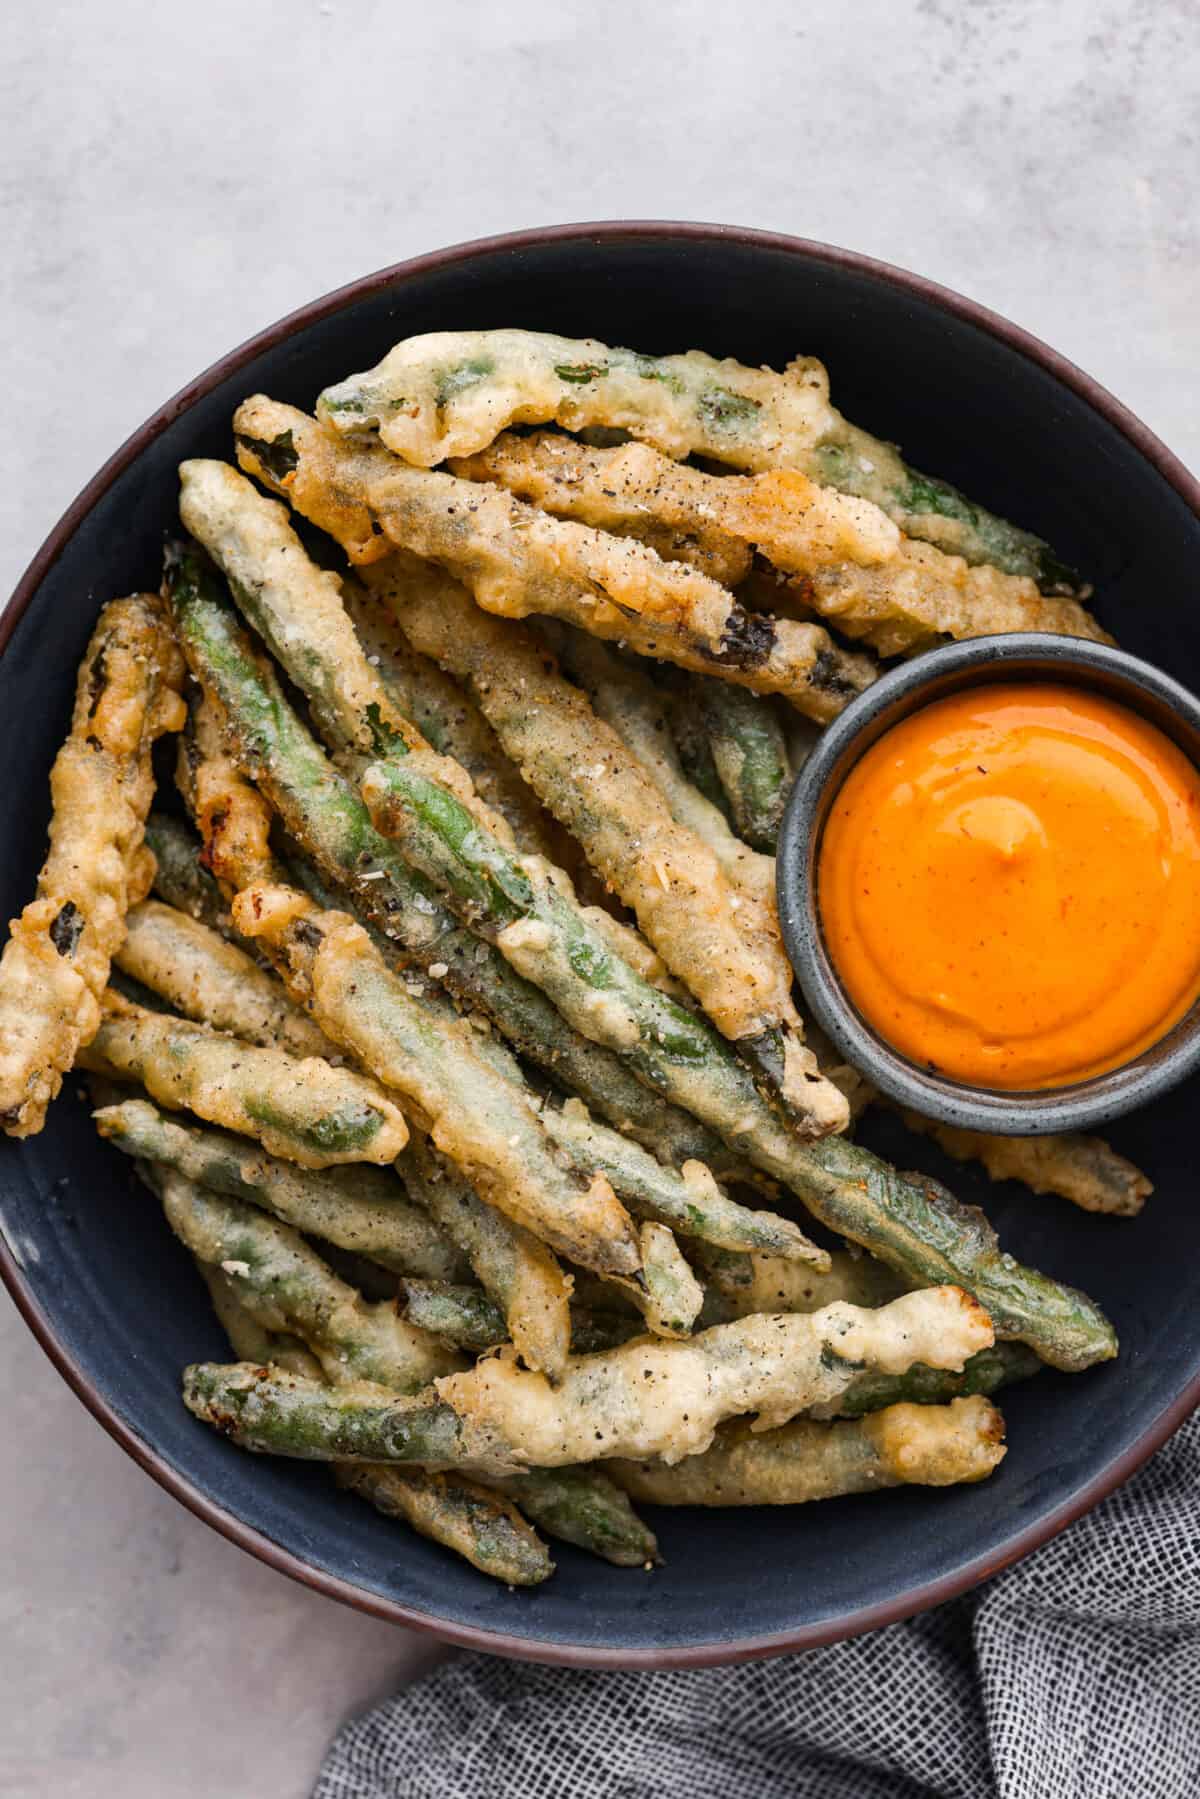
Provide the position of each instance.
(479, 1121)
(663, 1399)
(724, 946)
(517, 560)
(855, 568)
(514, 1268)
(305, 1111)
(904, 1445)
(358, 1208)
(449, 393)
(55, 966)
(1085, 1170)
(207, 979)
(796, 524)
(485, 1529)
(286, 1286)
(626, 698)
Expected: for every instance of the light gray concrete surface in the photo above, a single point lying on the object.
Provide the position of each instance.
(173, 178)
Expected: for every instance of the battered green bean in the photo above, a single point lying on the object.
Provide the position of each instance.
(1085, 1170)
(517, 560)
(905, 1445)
(449, 393)
(516, 1271)
(305, 1111)
(986, 1372)
(213, 982)
(651, 1397)
(657, 1398)
(180, 878)
(634, 705)
(482, 1527)
(468, 1318)
(361, 1209)
(749, 755)
(56, 963)
(285, 1286)
(325, 816)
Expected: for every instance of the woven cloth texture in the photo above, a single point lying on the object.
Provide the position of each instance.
(1073, 1675)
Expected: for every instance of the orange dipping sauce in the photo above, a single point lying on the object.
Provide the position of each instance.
(1009, 885)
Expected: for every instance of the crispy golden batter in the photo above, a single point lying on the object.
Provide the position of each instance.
(306, 1111)
(448, 393)
(722, 944)
(518, 561)
(1085, 1170)
(657, 1398)
(626, 698)
(855, 567)
(797, 524)
(212, 981)
(56, 964)
(902, 1445)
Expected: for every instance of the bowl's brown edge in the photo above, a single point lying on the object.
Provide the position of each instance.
(810, 1636)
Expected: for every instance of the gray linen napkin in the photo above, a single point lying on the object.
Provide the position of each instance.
(1074, 1675)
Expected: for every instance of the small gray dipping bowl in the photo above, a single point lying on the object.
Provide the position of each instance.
(904, 690)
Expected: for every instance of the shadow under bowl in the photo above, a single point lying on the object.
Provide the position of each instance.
(977, 662)
(116, 1302)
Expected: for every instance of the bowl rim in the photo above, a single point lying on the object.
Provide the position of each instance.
(175, 1482)
(970, 664)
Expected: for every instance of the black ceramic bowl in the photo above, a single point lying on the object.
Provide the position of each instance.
(1023, 656)
(113, 1298)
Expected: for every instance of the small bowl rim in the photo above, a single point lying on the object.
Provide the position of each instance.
(899, 694)
(176, 1481)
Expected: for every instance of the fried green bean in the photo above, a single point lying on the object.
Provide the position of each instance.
(657, 1398)
(485, 1529)
(213, 982)
(738, 1286)
(517, 560)
(326, 817)
(285, 1286)
(272, 1412)
(583, 1506)
(449, 393)
(689, 1200)
(478, 1524)
(471, 1320)
(427, 803)
(358, 1208)
(634, 705)
(449, 719)
(516, 1271)
(250, 1340)
(668, 1295)
(905, 1445)
(476, 1118)
(749, 754)
(849, 562)
(919, 1229)
(651, 1397)
(617, 488)
(303, 1110)
(1085, 1170)
(55, 965)
(985, 1372)
(180, 878)
(721, 944)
